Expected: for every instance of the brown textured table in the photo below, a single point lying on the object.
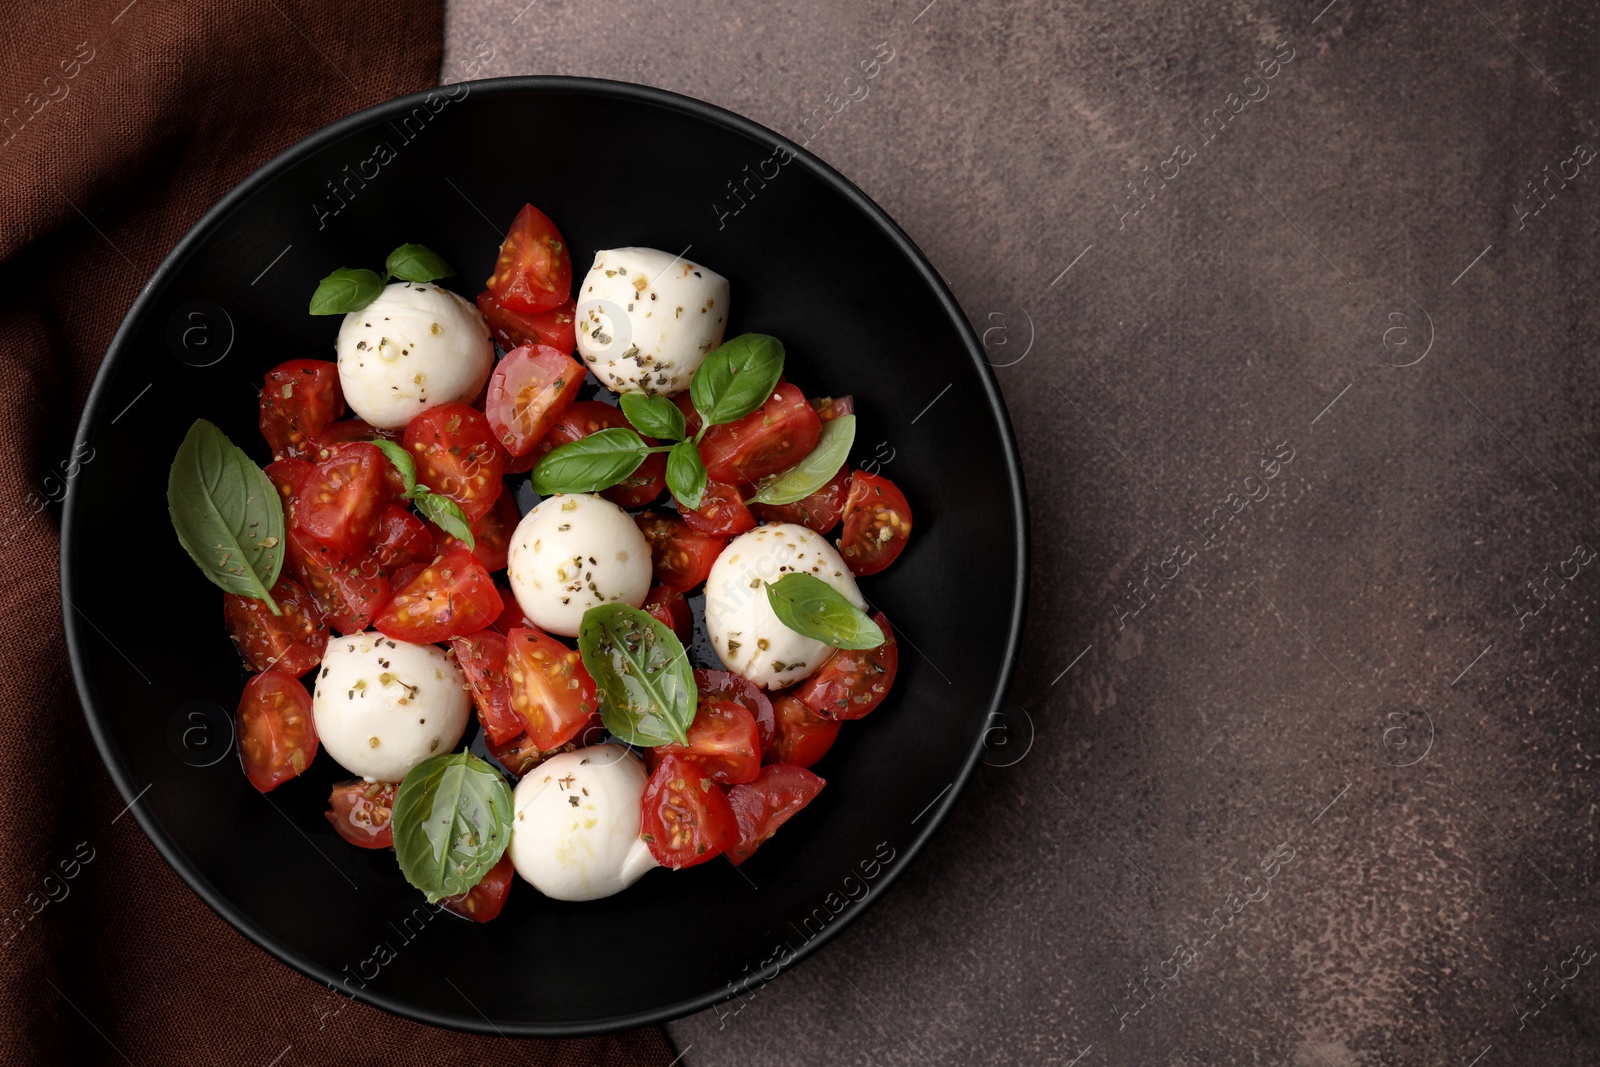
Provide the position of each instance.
(1293, 309)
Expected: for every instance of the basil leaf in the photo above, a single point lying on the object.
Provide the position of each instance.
(227, 513)
(737, 378)
(452, 822)
(643, 675)
(816, 470)
(686, 474)
(417, 263)
(403, 462)
(812, 608)
(344, 291)
(654, 416)
(591, 463)
(444, 513)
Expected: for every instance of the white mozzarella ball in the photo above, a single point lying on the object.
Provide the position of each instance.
(415, 347)
(572, 552)
(382, 706)
(575, 827)
(744, 630)
(646, 319)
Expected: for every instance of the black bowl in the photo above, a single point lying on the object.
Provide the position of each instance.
(812, 261)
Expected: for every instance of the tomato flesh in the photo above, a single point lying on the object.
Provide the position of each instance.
(277, 736)
(686, 818)
(298, 399)
(362, 812)
(338, 501)
(287, 476)
(682, 556)
(722, 512)
(803, 736)
(725, 685)
(449, 597)
(833, 407)
(850, 683)
(528, 391)
(763, 805)
(821, 511)
(350, 592)
(402, 540)
(491, 534)
(551, 691)
(671, 609)
(722, 742)
(483, 901)
(772, 438)
(456, 456)
(877, 523)
(513, 329)
(534, 270)
(292, 642)
(591, 416)
(482, 658)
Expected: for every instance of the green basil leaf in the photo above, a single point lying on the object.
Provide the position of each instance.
(812, 608)
(344, 291)
(643, 675)
(403, 462)
(686, 474)
(591, 463)
(227, 513)
(816, 470)
(417, 263)
(654, 416)
(452, 822)
(444, 513)
(737, 378)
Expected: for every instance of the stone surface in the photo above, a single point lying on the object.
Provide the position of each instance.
(1341, 311)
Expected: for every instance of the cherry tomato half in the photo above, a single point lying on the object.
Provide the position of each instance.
(456, 456)
(339, 433)
(512, 329)
(483, 901)
(350, 592)
(682, 557)
(482, 658)
(722, 512)
(591, 416)
(820, 511)
(362, 811)
(851, 683)
(298, 399)
(288, 475)
(534, 270)
(291, 642)
(804, 737)
(686, 818)
(550, 688)
(450, 597)
(772, 438)
(672, 610)
(511, 615)
(877, 523)
(528, 390)
(338, 501)
(691, 417)
(725, 685)
(761, 806)
(277, 736)
(833, 407)
(722, 742)
(402, 540)
(491, 534)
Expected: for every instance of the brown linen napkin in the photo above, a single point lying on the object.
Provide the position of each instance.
(120, 123)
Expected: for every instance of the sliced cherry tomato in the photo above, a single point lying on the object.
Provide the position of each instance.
(288, 475)
(291, 642)
(691, 417)
(338, 502)
(591, 416)
(761, 806)
(772, 438)
(402, 540)
(528, 391)
(851, 683)
(877, 523)
(820, 511)
(722, 512)
(491, 533)
(833, 407)
(672, 610)
(511, 615)
(722, 741)
(339, 433)
(277, 736)
(682, 557)
(534, 270)
(550, 689)
(725, 685)
(556, 327)
(298, 399)
(804, 737)
(361, 811)
(349, 592)
(520, 755)
(450, 597)
(686, 817)
(456, 456)
(483, 901)
(482, 657)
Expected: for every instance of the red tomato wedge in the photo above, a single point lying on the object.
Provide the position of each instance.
(456, 456)
(590, 416)
(877, 523)
(682, 556)
(511, 615)
(850, 683)
(512, 329)
(491, 533)
(520, 755)
(277, 737)
(361, 811)
(672, 610)
(288, 475)
(298, 399)
(450, 597)
(691, 417)
(482, 658)
(772, 438)
(833, 407)
(550, 689)
(483, 901)
(528, 390)
(722, 742)
(338, 501)
(722, 511)
(339, 433)
(291, 642)
(402, 540)
(534, 270)
(803, 736)
(821, 511)
(765, 804)
(686, 818)
(725, 685)
(349, 592)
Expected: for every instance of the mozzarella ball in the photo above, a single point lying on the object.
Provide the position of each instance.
(744, 630)
(415, 347)
(572, 552)
(646, 319)
(575, 827)
(383, 706)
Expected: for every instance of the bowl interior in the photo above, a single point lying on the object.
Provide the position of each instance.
(810, 261)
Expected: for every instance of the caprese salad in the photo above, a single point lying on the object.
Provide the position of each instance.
(384, 587)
